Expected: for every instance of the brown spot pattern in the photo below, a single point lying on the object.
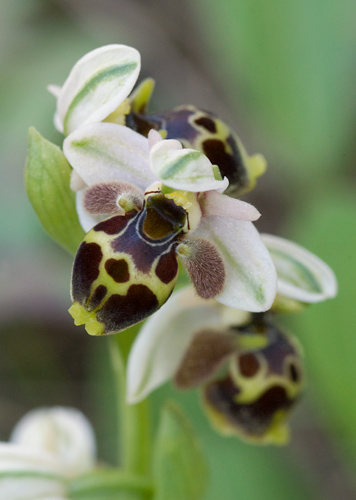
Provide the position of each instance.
(118, 269)
(116, 224)
(167, 267)
(249, 365)
(207, 123)
(97, 297)
(294, 373)
(122, 311)
(143, 249)
(253, 419)
(280, 352)
(85, 270)
(230, 165)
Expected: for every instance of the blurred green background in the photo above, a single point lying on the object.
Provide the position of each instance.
(282, 74)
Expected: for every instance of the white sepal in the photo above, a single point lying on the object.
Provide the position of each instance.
(97, 84)
(163, 340)
(302, 275)
(30, 474)
(107, 151)
(251, 279)
(183, 169)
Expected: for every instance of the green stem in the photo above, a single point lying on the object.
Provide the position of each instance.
(134, 422)
(109, 481)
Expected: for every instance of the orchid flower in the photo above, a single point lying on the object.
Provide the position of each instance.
(126, 267)
(47, 448)
(190, 340)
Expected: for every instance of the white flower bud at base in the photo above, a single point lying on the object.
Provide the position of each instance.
(64, 432)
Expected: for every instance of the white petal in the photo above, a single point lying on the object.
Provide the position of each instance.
(214, 203)
(302, 275)
(163, 339)
(183, 169)
(27, 474)
(250, 274)
(97, 85)
(64, 432)
(107, 151)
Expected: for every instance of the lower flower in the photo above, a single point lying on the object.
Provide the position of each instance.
(48, 447)
(249, 370)
(262, 384)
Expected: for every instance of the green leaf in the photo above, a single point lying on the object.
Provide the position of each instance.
(179, 466)
(47, 177)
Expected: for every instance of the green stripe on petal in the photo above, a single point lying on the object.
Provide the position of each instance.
(107, 151)
(183, 169)
(105, 82)
(302, 275)
(98, 83)
(294, 272)
(177, 167)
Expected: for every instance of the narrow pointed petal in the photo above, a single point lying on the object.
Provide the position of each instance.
(163, 340)
(250, 274)
(206, 353)
(302, 275)
(97, 84)
(107, 151)
(104, 198)
(27, 474)
(183, 169)
(214, 203)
